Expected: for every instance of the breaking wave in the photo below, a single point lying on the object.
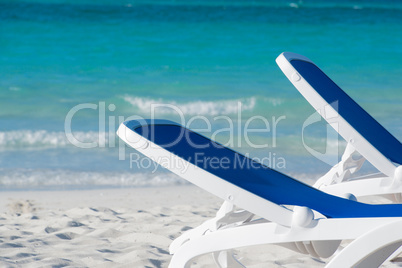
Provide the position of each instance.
(36, 179)
(35, 139)
(212, 108)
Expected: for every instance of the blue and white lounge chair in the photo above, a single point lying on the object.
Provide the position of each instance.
(294, 214)
(361, 131)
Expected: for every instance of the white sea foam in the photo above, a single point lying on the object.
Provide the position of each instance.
(223, 107)
(31, 139)
(59, 179)
(69, 179)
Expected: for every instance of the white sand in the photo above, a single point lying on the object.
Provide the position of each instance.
(114, 228)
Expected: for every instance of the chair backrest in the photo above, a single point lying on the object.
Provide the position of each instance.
(355, 125)
(252, 176)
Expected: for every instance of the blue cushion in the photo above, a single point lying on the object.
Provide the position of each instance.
(253, 176)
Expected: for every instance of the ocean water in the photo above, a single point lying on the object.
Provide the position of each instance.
(96, 63)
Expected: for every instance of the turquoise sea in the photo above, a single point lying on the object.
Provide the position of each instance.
(114, 59)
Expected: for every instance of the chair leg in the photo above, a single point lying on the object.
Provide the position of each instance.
(226, 215)
(370, 249)
(221, 241)
(247, 235)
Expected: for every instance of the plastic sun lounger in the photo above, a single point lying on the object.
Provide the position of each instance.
(362, 133)
(318, 221)
(316, 225)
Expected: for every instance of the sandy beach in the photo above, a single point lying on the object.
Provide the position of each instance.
(114, 228)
